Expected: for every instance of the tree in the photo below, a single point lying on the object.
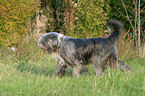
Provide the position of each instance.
(135, 18)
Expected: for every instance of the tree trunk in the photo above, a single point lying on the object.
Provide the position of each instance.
(144, 44)
(67, 16)
(135, 27)
(139, 45)
(144, 50)
(71, 15)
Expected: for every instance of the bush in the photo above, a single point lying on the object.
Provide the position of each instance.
(90, 18)
(14, 14)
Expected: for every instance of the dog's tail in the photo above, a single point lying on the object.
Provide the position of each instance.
(115, 27)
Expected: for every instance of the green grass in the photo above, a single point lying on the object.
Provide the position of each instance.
(33, 77)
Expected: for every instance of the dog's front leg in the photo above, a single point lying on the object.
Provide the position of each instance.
(61, 69)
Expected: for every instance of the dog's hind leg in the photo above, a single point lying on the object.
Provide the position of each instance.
(124, 67)
(99, 67)
(114, 62)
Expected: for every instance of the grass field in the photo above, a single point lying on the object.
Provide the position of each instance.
(34, 78)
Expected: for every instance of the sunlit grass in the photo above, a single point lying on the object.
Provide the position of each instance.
(34, 78)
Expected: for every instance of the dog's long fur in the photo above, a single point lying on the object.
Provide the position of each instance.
(78, 52)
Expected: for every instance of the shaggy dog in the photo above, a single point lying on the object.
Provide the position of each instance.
(76, 52)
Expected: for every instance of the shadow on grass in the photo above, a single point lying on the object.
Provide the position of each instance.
(25, 67)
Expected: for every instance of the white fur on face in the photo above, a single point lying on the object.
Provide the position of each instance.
(60, 37)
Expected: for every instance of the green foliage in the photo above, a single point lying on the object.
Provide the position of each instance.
(117, 7)
(118, 11)
(14, 14)
(54, 10)
(90, 18)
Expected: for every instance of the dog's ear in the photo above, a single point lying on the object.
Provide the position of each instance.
(50, 43)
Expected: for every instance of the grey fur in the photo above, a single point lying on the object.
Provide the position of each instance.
(78, 52)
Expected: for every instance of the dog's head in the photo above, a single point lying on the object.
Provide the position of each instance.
(50, 42)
